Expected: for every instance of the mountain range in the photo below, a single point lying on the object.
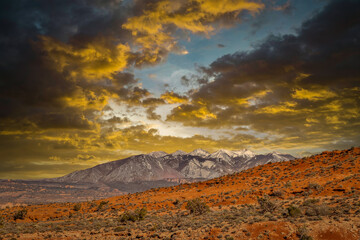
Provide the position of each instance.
(134, 174)
(140, 172)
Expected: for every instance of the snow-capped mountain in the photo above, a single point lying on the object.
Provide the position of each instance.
(157, 154)
(162, 169)
(224, 155)
(199, 152)
(179, 152)
(264, 159)
(245, 153)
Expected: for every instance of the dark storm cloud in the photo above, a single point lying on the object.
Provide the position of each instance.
(29, 83)
(55, 53)
(293, 85)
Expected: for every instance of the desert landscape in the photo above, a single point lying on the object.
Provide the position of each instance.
(309, 198)
(180, 119)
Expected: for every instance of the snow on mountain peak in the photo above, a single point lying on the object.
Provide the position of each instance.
(178, 152)
(157, 154)
(199, 152)
(244, 153)
(223, 154)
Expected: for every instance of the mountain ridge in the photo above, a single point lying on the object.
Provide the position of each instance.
(161, 166)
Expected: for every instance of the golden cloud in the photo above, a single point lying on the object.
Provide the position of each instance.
(287, 107)
(95, 60)
(191, 114)
(313, 95)
(172, 97)
(152, 30)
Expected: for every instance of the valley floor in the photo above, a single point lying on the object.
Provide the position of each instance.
(328, 218)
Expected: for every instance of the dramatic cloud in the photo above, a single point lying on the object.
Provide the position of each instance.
(75, 89)
(301, 89)
(96, 60)
(154, 30)
(171, 97)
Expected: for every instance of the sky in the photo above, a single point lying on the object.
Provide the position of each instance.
(90, 81)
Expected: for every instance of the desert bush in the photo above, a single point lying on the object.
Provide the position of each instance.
(101, 205)
(287, 184)
(176, 202)
(309, 202)
(137, 215)
(119, 229)
(277, 193)
(294, 211)
(315, 186)
(20, 214)
(77, 207)
(266, 204)
(197, 207)
(302, 233)
(318, 210)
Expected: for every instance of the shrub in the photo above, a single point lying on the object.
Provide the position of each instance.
(119, 229)
(310, 202)
(277, 193)
(315, 186)
(266, 205)
(294, 211)
(101, 205)
(137, 215)
(302, 233)
(77, 207)
(321, 210)
(20, 214)
(197, 207)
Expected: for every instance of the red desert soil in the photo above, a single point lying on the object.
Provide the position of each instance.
(323, 188)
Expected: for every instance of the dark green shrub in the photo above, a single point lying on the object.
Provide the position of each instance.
(294, 211)
(137, 215)
(20, 214)
(197, 207)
